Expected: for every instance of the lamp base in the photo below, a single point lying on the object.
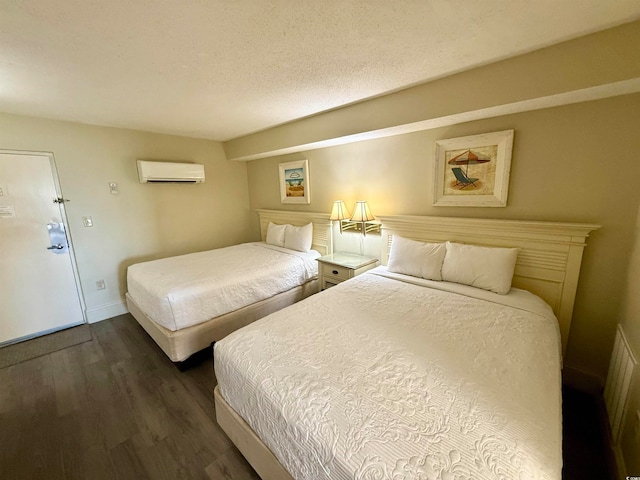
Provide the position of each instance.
(373, 226)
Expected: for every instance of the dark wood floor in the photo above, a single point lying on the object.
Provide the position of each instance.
(112, 408)
(583, 440)
(117, 408)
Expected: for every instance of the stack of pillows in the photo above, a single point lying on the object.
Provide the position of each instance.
(288, 236)
(481, 267)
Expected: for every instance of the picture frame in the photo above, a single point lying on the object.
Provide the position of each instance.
(294, 182)
(473, 171)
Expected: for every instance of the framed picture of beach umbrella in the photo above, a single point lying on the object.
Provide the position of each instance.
(473, 171)
(294, 182)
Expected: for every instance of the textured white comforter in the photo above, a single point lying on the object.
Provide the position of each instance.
(378, 378)
(186, 290)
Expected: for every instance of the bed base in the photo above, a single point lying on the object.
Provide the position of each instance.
(259, 456)
(181, 344)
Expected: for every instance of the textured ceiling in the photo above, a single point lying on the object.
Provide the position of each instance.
(221, 69)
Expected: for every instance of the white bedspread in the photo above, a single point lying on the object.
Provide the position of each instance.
(382, 379)
(186, 290)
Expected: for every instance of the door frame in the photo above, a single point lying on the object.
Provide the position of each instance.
(72, 256)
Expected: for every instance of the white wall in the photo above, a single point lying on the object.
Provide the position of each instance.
(144, 221)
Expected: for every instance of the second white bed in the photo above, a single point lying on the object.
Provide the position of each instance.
(179, 292)
(186, 302)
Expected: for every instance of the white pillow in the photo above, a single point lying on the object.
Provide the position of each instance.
(299, 238)
(482, 267)
(275, 234)
(418, 259)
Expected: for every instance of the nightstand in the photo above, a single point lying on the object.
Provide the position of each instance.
(338, 267)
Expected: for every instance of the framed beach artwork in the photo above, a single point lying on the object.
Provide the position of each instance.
(294, 182)
(473, 171)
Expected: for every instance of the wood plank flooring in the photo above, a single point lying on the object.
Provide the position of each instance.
(113, 408)
(117, 408)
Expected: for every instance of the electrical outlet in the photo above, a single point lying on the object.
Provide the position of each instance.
(113, 188)
(100, 285)
(2, 190)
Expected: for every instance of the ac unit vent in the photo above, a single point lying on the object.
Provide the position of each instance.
(170, 172)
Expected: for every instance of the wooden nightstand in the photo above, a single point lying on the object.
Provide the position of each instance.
(338, 267)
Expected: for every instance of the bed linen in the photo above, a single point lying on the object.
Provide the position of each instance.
(383, 377)
(179, 292)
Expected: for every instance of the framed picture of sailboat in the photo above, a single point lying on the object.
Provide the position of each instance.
(473, 171)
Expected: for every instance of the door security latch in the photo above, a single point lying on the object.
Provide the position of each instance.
(60, 200)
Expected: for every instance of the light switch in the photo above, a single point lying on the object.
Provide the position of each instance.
(87, 221)
(113, 188)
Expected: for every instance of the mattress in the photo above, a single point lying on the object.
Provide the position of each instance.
(387, 376)
(186, 290)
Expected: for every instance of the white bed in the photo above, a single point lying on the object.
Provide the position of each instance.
(386, 376)
(187, 302)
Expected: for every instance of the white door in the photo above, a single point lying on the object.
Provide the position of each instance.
(38, 289)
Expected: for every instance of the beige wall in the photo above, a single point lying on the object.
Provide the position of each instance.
(630, 319)
(570, 163)
(143, 221)
(630, 310)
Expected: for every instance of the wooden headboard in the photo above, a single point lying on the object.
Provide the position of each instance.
(322, 228)
(548, 262)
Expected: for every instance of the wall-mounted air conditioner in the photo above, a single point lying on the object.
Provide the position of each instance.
(170, 172)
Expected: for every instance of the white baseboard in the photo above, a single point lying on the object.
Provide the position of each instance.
(103, 312)
(582, 380)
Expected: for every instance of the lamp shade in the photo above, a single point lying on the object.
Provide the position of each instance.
(339, 211)
(361, 212)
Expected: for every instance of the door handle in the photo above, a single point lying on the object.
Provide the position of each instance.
(57, 239)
